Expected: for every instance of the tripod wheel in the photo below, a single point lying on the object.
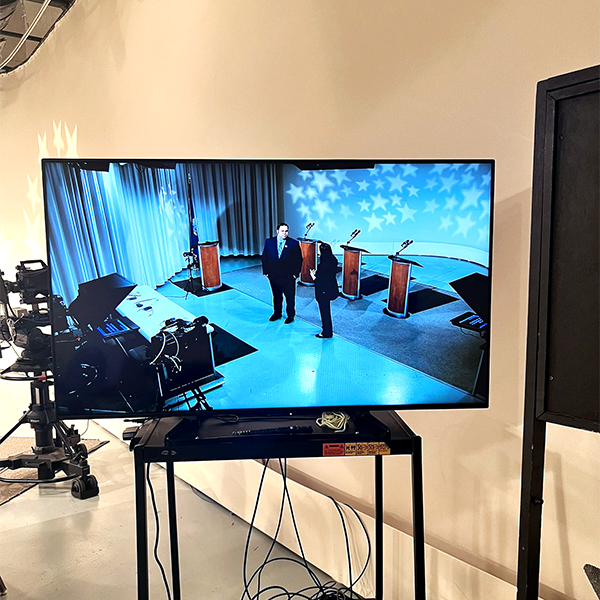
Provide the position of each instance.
(85, 487)
(82, 449)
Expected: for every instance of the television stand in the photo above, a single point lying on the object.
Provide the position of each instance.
(175, 439)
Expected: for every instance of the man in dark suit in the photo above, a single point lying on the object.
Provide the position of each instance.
(281, 263)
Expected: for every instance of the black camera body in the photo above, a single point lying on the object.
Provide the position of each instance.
(23, 327)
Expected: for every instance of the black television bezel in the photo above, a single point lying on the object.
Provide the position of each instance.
(284, 412)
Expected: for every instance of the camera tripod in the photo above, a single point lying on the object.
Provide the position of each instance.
(51, 453)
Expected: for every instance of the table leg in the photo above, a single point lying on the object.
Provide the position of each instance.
(175, 578)
(418, 519)
(378, 528)
(141, 526)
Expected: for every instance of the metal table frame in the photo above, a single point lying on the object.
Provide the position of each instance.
(153, 445)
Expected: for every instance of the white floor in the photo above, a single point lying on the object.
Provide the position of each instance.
(56, 547)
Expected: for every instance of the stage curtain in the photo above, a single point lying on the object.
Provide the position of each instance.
(234, 203)
(129, 219)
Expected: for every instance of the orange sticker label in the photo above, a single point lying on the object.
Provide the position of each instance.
(350, 448)
(333, 449)
(361, 449)
(384, 448)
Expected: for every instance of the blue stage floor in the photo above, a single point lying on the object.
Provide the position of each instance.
(292, 368)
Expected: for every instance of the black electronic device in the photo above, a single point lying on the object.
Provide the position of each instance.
(126, 342)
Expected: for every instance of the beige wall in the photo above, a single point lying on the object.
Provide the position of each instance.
(342, 79)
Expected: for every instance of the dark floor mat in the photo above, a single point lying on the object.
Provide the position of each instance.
(194, 286)
(373, 284)
(426, 299)
(227, 347)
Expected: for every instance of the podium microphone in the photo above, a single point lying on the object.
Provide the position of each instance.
(353, 235)
(404, 245)
(308, 228)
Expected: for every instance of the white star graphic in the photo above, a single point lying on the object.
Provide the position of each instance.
(396, 183)
(364, 205)
(449, 183)
(71, 142)
(439, 168)
(34, 232)
(378, 184)
(396, 200)
(390, 219)
(296, 192)
(451, 202)
(333, 196)
(330, 224)
(407, 212)
(305, 175)
(471, 197)
(58, 141)
(340, 176)
(43, 150)
(464, 224)
(374, 222)
(33, 194)
(320, 181)
(408, 170)
(431, 205)
(431, 183)
(304, 210)
(483, 234)
(472, 167)
(311, 193)
(379, 202)
(322, 207)
(345, 210)
(446, 222)
(387, 168)
(486, 179)
(362, 185)
(486, 209)
(346, 190)
(466, 178)
(413, 191)
(374, 171)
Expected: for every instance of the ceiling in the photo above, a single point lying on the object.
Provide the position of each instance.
(36, 18)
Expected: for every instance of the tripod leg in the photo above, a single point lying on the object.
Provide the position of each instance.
(20, 422)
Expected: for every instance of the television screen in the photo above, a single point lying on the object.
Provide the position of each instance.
(182, 286)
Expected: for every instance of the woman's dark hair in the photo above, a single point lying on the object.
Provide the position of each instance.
(326, 253)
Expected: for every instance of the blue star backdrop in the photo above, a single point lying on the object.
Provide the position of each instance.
(444, 207)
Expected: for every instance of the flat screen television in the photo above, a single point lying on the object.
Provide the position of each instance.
(160, 306)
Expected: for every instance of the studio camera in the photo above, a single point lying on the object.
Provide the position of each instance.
(21, 326)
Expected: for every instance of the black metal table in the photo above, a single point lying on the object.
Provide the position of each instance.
(170, 440)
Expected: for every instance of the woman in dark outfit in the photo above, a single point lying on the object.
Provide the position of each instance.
(326, 288)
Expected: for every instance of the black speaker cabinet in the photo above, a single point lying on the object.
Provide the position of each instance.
(561, 384)
(563, 359)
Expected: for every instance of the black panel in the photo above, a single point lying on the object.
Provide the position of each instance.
(564, 330)
(573, 357)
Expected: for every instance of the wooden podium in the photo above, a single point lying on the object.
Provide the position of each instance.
(210, 266)
(399, 287)
(309, 260)
(351, 272)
